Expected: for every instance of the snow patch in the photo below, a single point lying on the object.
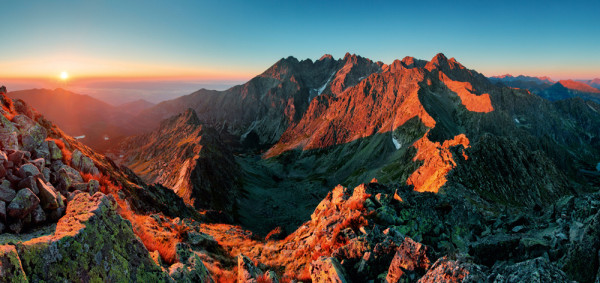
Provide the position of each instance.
(252, 126)
(517, 121)
(79, 137)
(397, 143)
(590, 106)
(361, 78)
(321, 89)
(106, 138)
(598, 167)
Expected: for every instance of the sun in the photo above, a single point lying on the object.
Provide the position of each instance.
(64, 75)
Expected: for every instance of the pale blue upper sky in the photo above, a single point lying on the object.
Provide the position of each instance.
(239, 39)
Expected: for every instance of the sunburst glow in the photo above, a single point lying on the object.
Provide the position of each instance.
(64, 76)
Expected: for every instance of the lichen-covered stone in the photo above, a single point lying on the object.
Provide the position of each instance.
(93, 186)
(55, 152)
(8, 134)
(68, 176)
(32, 134)
(10, 265)
(447, 270)
(7, 194)
(92, 243)
(24, 203)
(49, 197)
(28, 170)
(193, 271)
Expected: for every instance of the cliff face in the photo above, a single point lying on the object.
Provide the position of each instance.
(189, 158)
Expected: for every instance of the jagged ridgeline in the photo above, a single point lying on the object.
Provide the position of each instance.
(342, 170)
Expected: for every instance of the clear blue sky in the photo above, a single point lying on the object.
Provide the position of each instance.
(239, 39)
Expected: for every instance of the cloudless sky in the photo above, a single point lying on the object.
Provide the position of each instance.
(235, 40)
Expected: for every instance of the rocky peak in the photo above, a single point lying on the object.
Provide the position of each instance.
(188, 117)
(326, 57)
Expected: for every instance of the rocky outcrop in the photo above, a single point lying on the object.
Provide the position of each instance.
(327, 269)
(410, 262)
(91, 242)
(447, 270)
(247, 271)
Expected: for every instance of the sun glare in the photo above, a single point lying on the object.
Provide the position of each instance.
(64, 76)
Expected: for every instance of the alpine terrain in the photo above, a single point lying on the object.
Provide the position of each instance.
(334, 170)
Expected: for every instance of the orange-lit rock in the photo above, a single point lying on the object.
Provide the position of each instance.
(473, 102)
(438, 161)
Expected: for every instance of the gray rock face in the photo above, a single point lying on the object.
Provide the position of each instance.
(328, 269)
(7, 194)
(32, 134)
(533, 270)
(446, 270)
(192, 270)
(24, 202)
(83, 163)
(49, 197)
(27, 170)
(247, 271)
(55, 152)
(2, 212)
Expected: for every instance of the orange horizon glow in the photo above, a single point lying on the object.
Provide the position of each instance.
(84, 68)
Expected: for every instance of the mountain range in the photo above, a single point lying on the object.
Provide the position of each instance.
(551, 90)
(344, 170)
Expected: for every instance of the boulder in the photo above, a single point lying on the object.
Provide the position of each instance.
(43, 151)
(193, 270)
(28, 170)
(24, 203)
(93, 186)
(83, 163)
(9, 140)
(49, 197)
(7, 194)
(68, 176)
(76, 159)
(17, 157)
(411, 261)
(10, 265)
(2, 212)
(8, 134)
(247, 271)
(55, 152)
(327, 269)
(37, 215)
(30, 183)
(2, 171)
(447, 270)
(40, 163)
(91, 243)
(32, 134)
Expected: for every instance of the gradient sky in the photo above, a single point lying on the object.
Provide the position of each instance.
(235, 40)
